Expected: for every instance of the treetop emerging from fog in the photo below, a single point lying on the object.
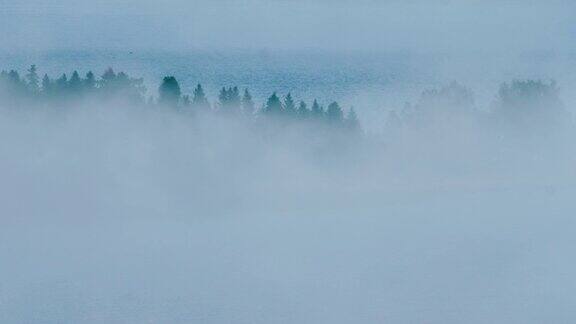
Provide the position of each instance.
(527, 105)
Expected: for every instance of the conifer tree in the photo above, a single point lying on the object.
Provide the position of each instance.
(108, 75)
(334, 113)
(46, 85)
(247, 103)
(14, 86)
(317, 112)
(235, 100)
(169, 92)
(351, 122)
(75, 84)
(199, 101)
(289, 106)
(229, 100)
(89, 82)
(61, 85)
(33, 80)
(273, 106)
(303, 111)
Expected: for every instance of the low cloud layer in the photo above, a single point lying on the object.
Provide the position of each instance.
(118, 215)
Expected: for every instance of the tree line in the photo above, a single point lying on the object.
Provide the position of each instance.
(527, 103)
(30, 88)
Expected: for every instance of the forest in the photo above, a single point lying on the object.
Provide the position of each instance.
(526, 105)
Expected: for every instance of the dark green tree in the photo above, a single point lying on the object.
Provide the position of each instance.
(47, 86)
(33, 80)
(248, 106)
(229, 100)
(199, 101)
(61, 86)
(289, 106)
(303, 111)
(334, 113)
(317, 111)
(75, 84)
(107, 80)
(169, 92)
(273, 106)
(89, 82)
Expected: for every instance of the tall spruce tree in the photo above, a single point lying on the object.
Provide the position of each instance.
(289, 106)
(317, 111)
(273, 106)
(33, 80)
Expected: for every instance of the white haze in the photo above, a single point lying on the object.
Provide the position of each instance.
(118, 215)
(114, 214)
(447, 26)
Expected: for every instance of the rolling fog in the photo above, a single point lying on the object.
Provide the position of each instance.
(122, 216)
(111, 213)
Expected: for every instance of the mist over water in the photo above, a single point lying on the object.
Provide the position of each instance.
(116, 215)
(455, 208)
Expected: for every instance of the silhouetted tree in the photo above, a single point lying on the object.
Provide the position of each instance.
(121, 86)
(273, 106)
(47, 86)
(303, 111)
(235, 98)
(531, 103)
(351, 122)
(289, 106)
(248, 106)
(199, 101)
(61, 86)
(33, 80)
(128, 88)
(89, 82)
(107, 80)
(13, 87)
(334, 113)
(317, 112)
(75, 84)
(169, 92)
(229, 100)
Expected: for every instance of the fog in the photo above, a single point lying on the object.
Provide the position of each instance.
(450, 210)
(445, 26)
(122, 216)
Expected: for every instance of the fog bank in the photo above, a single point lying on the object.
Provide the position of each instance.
(118, 215)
